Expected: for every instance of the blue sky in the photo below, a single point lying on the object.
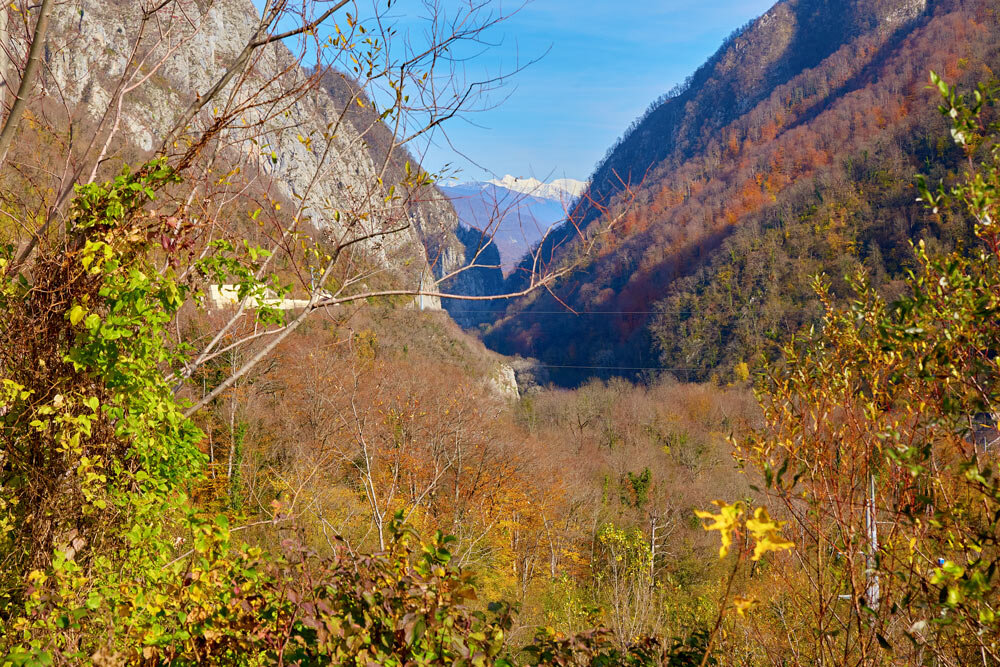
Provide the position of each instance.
(600, 64)
(604, 62)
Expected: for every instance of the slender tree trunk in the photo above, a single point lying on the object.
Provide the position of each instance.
(7, 68)
(27, 79)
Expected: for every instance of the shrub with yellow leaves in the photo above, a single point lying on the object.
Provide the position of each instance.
(876, 449)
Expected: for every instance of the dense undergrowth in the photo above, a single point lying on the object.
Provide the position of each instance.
(880, 452)
(130, 537)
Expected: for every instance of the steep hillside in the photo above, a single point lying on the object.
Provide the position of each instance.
(824, 119)
(795, 35)
(94, 49)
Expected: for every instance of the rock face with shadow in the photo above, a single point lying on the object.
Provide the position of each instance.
(482, 277)
(88, 52)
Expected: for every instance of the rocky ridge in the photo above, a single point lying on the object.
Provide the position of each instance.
(90, 45)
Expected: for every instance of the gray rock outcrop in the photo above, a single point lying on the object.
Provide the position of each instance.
(196, 40)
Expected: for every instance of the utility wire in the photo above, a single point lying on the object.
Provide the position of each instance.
(569, 312)
(619, 368)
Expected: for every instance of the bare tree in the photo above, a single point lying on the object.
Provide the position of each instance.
(265, 132)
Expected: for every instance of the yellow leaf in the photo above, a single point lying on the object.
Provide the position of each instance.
(744, 604)
(76, 315)
(766, 533)
(724, 522)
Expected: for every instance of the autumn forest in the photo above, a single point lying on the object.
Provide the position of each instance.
(265, 399)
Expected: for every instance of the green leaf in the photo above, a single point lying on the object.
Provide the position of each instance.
(76, 314)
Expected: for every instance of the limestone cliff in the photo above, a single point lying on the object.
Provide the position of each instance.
(196, 40)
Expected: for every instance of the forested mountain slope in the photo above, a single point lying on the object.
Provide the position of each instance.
(791, 152)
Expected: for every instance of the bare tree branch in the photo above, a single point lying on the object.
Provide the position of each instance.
(256, 41)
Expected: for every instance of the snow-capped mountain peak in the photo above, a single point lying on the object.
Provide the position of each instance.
(559, 189)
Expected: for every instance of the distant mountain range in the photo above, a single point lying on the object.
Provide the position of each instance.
(516, 211)
(561, 189)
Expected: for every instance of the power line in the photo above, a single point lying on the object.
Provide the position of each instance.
(619, 368)
(569, 312)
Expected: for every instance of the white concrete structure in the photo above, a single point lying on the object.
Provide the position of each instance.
(228, 296)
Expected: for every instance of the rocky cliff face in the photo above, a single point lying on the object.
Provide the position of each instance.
(503, 382)
(484, 278)
(88, 53)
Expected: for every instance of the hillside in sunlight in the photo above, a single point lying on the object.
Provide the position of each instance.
(791, 152)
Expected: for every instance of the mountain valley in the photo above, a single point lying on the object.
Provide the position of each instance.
(275, 392)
